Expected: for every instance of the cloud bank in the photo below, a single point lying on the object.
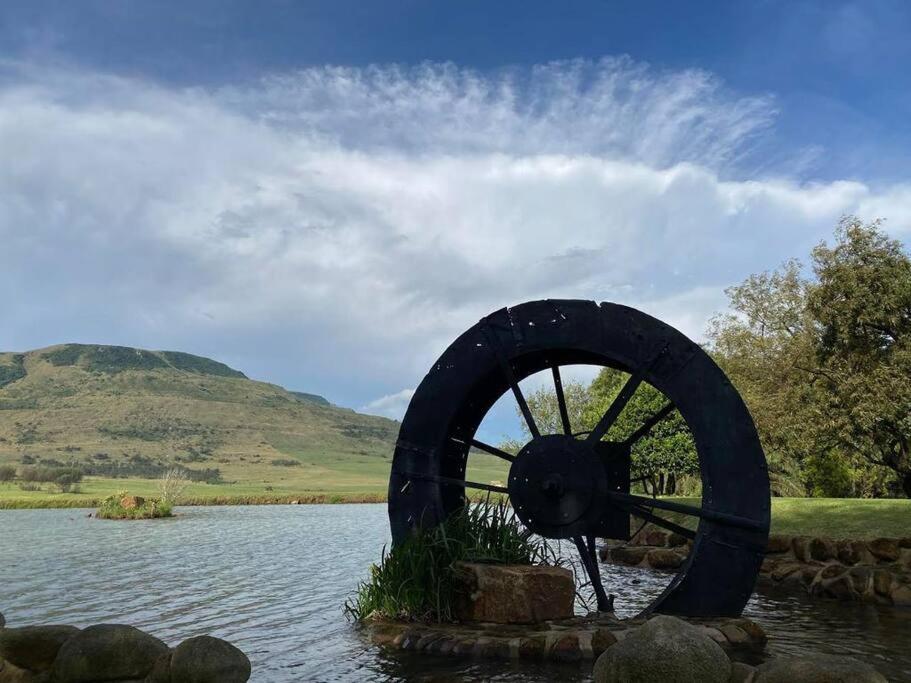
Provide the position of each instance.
(333, 229)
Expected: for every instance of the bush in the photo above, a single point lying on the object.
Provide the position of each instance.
(43, 473)
(7, 472)
(285, 462)
(414, 580)
(112, 508)
(28, 486)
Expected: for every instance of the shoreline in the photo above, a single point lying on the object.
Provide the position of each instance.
(303, 499)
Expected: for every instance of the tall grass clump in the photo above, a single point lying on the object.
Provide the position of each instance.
(414, 580)
(113, 507)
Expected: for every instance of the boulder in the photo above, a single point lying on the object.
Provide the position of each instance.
(602, 639)
(801, 548)
(205, 659)
(817, 669)
(664, 649)
(628, 554)
(823, 550)
(664, 558)
(34, 647)
(9, 673)
(107, 652)
(741, 673)
(778, 543)
(512, 594)
(656, 537)
(885, 549)
(851, 552)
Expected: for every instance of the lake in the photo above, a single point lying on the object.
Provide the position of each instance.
(272, 580)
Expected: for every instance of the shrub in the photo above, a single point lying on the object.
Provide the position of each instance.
(172, 485)
(414, 580)
(28, 486)
(7, 472)
(112, 508)
(285, 462)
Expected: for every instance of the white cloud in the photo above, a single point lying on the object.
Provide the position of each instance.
(391, 406)
(334, 229)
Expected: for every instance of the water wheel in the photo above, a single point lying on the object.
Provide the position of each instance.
(577, 485)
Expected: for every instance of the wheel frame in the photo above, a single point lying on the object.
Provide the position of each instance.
(493, 356)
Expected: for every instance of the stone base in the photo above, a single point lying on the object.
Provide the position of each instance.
(512, 594)
(567, 640)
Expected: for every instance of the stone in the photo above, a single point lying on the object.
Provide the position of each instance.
(885, 549)
(734, 634)
(132, 502)
(664, 558)
(840, 588)
(817, 669)
(664, 649)
(756, 633)
(676, 540)
(34, 647)
(904, 542)
(778, 543)
(882, 582)
(861, 579)
(512, 594)
(784, 570)
(741, 673)
(107, 652)
(602, 639)
(9, 673)
(823, 550)
(656, 537)
(531, 648)
(801, 548)
(850, 552)
(901, 595)
(628, 554)
(567, 649)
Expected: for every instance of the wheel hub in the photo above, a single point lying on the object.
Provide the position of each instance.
(557, 485)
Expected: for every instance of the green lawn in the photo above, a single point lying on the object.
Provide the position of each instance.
(366, 481)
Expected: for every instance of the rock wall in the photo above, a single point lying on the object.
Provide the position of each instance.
(877, 570)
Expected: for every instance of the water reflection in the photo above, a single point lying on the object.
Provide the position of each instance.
(272, 580)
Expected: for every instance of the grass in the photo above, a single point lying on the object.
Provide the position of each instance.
(112, 507)
(415, 580)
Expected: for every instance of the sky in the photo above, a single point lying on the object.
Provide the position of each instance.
(325, 194)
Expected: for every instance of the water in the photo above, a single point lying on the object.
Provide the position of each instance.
(272, 580)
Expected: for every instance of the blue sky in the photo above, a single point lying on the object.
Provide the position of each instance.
(325, 193)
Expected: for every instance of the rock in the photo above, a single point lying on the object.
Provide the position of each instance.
(676, 540)
(656, 537)
(778, 543)
(823, 550)
(851, 552)
(734, 634)
(904, 542)
(801, 548)
(205, 659)
(567, 649)
(756, 633)
(10, 673)
(107, 652)
(664, 649)
(784, 570)
(885, 549)
(664, 558)
(741, 673)
(817, 669)
(132, 502)
(901, 595)
(882, 582)
(861, 579)
(34, 647)
(602, 639)
(512, 594)
(840, 588)
(628, 554)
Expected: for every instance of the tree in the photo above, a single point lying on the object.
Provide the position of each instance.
(862, 308)
(823, 363)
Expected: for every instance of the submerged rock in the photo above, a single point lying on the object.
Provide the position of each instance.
(205, 659)
(34, 647)
(108, 652)
(817, 669)
(664, 649)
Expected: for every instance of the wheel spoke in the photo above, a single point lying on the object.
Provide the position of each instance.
(511, 379)
(561, 401)
(589, 557)
(703, 513)
(452, 481)
(650, 424)
(647, 516)
(493, 450)
(608, 419)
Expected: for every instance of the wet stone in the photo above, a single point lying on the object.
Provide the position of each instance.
(885, 549)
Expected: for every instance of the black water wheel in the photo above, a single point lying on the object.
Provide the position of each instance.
(578, 485)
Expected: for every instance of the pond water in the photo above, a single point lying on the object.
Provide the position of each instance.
(272, 580)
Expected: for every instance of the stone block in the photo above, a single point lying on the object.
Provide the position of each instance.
(885, 549)
(512, 594)
(778, 543)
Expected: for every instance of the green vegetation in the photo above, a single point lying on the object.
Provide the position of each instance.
(121, 505)
(12, 370)
(824, 361)
(414, 580)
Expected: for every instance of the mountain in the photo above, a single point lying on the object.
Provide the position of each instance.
(118, 411)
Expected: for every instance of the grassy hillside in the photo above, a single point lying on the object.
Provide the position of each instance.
(123, 412)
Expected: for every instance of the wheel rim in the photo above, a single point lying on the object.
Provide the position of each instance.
(491, 358)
